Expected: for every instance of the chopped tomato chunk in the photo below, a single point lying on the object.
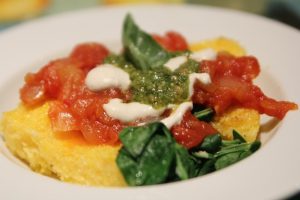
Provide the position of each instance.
(89, 54)
(232, 85)
(61, 118)
(171, 41)
(246, 67)
(190, 132)
(97, 133)
(33, 94)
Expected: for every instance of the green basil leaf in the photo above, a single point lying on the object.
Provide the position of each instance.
(140, 48)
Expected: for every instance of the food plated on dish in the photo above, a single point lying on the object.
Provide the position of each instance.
(160, 111)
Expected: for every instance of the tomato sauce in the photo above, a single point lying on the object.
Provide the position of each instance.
(74, 108)
(232, 85)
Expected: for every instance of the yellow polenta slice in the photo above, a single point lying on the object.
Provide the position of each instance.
(27, 133)
(245, 121)
(220, 44)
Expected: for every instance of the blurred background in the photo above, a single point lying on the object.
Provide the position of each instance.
(13, 12)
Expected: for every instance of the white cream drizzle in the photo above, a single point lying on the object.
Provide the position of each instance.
(107, 76)
(177, 115)
(175, 62)
(129, 112)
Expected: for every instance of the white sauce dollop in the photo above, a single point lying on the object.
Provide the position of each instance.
(204, 78)
(129, 112)
(206, 54)
(177, 115)
(107, 76)
(175, 62)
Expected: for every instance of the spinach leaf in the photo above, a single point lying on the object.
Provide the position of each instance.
(216, 153)
(231, 158)
(227, 160)
(207, 167)
(150, 155)
(140, 48)
(211, 143)
(147, 163)
(237, 136)
(185, 165)
(136, 138)
(253, 146)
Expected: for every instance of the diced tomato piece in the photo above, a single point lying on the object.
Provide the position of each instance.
(61, 117)
(89, 54)
(177, 40)
(97, 133)
(250, 67)
(221, 99)
(80, 105)
(47, 83)
(33, 94)
(245, 67)
(191, 131)
(171, 41)
(58, 73)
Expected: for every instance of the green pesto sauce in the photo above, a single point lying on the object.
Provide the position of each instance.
(158, 87)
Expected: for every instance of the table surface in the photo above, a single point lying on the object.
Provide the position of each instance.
(287, 11)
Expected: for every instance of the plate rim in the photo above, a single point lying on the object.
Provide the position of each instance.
(148, 188)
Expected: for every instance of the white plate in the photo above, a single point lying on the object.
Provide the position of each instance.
(271, 173)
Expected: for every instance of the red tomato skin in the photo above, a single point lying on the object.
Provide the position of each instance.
(33, 94)
(245, 67)
(89, 54)
(61, 117)
(191, 132)
(97, 133)
(171, 41)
